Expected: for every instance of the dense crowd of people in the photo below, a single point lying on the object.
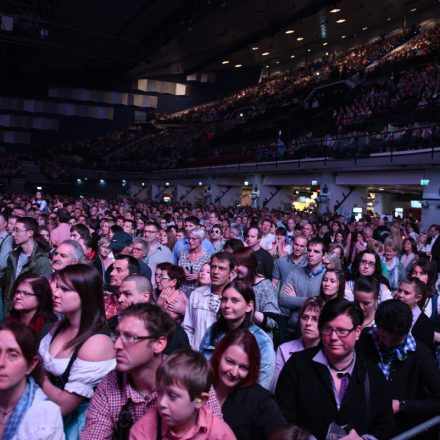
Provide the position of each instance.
(198, 131)
(125, 319)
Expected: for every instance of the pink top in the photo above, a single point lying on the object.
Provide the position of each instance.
(167, 297)
(208, 427)
(60, 233)
(284, 351)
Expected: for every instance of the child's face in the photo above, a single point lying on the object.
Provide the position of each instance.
(175, 405)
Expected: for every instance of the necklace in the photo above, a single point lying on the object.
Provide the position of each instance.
(4, 415)
(340, 372)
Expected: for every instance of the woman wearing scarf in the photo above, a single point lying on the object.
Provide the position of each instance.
(25, 411)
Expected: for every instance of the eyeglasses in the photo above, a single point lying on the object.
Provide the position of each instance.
(368, 263)
(25, 294)
(19, 230)
(340, 332)
(161, 277)
(307, 318)
(146, 231)
(193, 239)
(128, 339)
(215, 232)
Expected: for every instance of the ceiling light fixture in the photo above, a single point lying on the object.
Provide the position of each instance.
(389, 19)
(334, 10)
(225, 62)
(364, 28)
(289, 31)
(299, 39)
(325, 44)
(278, 62)
(254, 48)
(308, 50)
(341, 20)
(292, 56)
(265, 54)
(413, 9)
(343, 36)
(238, 65)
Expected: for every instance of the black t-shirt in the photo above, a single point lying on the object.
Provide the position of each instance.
(252, 413)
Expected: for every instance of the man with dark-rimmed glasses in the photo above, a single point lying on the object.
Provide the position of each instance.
(127, 392)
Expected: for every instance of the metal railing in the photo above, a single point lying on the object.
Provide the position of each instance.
(411, 433)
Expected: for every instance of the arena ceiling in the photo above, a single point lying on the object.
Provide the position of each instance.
(168, 37)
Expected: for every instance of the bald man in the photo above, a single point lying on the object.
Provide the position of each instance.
(137, 289)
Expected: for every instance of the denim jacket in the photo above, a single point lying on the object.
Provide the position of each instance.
(265, 344)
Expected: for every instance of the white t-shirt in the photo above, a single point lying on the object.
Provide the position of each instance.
(267, 242)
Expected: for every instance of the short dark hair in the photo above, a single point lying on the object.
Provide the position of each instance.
(133, 264)
(187, 368)
(176, 273)
(367, 284)
(166, 265)
(30, 224)
(224, 256)
(394, 317)
(336, 307)
(82, 230)
(317, 240)
(234, 243)
(156, 321)
(192, 219)
(63, 215)
(155, 224)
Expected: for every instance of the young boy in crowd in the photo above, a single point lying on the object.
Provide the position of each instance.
(183, 383)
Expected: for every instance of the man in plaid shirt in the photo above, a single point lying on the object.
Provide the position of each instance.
(141, 339)
(407, 364)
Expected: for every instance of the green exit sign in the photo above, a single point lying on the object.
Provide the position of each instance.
(424, 182)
